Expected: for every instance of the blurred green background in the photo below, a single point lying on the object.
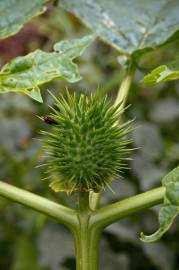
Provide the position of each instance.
(29, 240)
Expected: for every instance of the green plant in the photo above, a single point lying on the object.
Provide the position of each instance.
(25, 74)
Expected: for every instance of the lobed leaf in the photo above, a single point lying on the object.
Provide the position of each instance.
(129, 26)
(163, 73)
(25, 74)
(170, 209)
(15, 13)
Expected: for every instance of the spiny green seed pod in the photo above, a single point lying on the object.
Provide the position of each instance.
(86, 147)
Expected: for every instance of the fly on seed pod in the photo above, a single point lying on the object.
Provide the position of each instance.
(49, 120)
(86, 146)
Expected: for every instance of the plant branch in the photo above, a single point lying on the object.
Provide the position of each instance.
(125, 86)
(61, 213)
(94, 200)
(116, 211)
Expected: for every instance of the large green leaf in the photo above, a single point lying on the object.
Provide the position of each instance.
(25, 74)
(171, 206)
(15, 13)
(163, 73)
(128, 25)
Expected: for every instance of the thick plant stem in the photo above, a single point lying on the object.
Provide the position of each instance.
(87, 247)
(125, 86)
(86, 238)
(116, 211)
(59, 212)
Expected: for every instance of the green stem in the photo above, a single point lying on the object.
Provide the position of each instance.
(94, 200)
(116, 211)
(61, 213)
(125, 86)
(86, 239)
(87, 247)
(83, 203)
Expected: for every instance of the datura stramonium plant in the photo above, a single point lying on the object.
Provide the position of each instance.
(87, 145)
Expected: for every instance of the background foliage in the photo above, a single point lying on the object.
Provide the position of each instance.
(31, 241)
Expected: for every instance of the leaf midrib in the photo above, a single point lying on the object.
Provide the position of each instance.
(150, 27)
